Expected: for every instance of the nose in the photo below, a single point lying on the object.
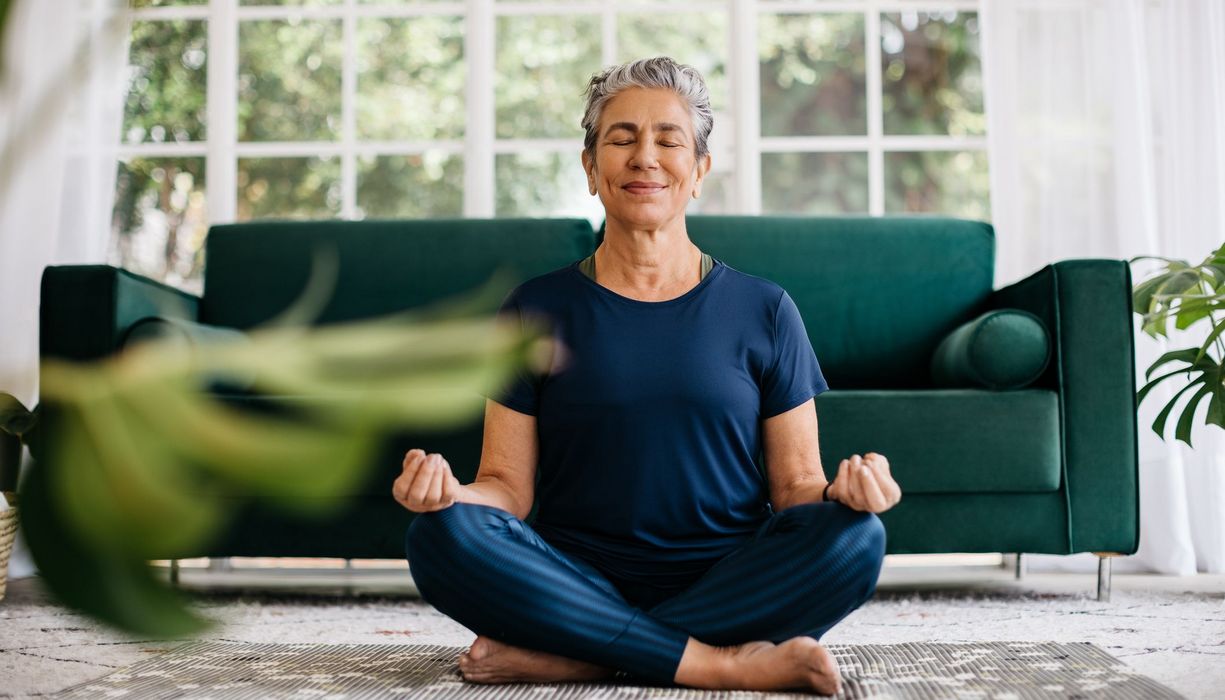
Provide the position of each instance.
(645, 155)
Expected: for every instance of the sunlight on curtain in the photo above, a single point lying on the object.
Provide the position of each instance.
(62, 95)
(1107, 139)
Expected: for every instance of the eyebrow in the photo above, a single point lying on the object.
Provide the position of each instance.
(633, 128)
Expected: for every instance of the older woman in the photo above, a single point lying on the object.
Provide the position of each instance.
(659, 549)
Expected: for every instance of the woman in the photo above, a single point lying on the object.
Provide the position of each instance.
(658, 550)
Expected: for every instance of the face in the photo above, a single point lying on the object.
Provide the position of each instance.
(646, 168)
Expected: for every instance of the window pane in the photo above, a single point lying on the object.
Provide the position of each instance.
(814, 183)
(813, 81)
(160, 219)
(289, 80)
(410, 83)
(933, 82)
(697, 39)
(415, 186)
(288, 188)
(544, 184)
(167, 82)
(938, 182)
(543, 65)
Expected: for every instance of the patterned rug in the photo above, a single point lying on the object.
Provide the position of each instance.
(997, 670)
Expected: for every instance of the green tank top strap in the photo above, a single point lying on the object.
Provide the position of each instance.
(587, 266)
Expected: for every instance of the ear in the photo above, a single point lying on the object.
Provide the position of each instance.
(589, 166)
(700, 169)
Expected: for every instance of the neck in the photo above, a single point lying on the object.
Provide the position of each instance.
(647, 260)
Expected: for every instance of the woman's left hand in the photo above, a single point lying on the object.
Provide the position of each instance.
(865, 484)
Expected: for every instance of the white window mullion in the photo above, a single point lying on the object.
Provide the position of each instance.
(221, 166)
(876, 153)
(746, 88)
(348, 116)
(479, 37)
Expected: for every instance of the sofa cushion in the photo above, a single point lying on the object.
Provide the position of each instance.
(256, 270)
(877, 294)
(1002, 349)
(948, 440)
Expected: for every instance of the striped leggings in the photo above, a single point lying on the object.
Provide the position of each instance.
(804, 569)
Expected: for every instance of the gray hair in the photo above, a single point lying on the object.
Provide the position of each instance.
(658, 72)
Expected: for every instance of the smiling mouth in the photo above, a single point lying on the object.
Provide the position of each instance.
(643, 188)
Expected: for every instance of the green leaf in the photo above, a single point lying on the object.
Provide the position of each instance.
(1203, 349)
(1140, 395)
(1185, 421)
(1216, 406)
(1163, 416)
(119, 591)
(120, 487)
(1188, 355)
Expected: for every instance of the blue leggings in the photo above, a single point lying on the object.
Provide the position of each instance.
(804, 569)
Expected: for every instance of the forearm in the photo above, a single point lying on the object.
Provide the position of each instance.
(493, 492)
(799, 494)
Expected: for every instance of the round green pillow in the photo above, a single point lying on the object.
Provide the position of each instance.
(1004, 349)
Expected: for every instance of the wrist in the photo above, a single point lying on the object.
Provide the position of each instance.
(825, 493)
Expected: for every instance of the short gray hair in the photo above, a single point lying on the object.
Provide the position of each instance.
(658, 72)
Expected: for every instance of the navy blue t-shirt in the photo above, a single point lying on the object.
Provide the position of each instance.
(649, 417)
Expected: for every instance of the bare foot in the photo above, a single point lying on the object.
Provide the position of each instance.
(799, 662)
(491, 661)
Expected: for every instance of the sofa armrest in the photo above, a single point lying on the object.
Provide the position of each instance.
(1086, 305)
(86, 309)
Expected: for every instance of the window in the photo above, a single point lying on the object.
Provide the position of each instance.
(250, 109)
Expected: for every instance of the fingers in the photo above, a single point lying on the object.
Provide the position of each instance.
(855, 472)
(884, 479)
(422, 486)
(837, 490)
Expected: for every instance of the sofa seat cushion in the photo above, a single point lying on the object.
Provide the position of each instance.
(948, 440)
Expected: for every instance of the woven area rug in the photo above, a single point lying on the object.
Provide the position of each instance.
(225, 671)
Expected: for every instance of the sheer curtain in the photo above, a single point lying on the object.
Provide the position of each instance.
(1107, 139)
(61, 105)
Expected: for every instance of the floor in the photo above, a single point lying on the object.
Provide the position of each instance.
(1171, 629)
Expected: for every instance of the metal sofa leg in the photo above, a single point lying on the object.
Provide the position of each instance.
(1103, 575)
(174, 573)
(1020, 572)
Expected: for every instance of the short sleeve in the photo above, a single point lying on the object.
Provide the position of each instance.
(522, 392)
(794, 376)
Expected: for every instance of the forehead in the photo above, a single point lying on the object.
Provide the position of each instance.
(645, 106)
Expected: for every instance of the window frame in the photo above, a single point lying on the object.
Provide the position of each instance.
(480, 147)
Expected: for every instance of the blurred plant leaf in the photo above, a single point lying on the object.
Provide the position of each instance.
(118, 591)
(144, 463)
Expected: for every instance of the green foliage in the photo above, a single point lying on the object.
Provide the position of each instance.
(410, 79)
(932, 81)
(146, 465)
(815, 183)
(813, 75)
(414, 186)
(289, 80)
(1186, 294)
(543, 64)
(288, 188)
(167, 82)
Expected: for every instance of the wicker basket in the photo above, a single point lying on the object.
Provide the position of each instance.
(8, 532)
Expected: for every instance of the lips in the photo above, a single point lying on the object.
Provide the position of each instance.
(644, 188)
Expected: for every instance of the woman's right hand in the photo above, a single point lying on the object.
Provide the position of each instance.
(426, 483)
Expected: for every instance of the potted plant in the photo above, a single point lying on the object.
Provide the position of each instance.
(1186, 294)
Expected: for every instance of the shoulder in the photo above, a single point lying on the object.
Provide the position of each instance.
(751, 288)
(545, 291)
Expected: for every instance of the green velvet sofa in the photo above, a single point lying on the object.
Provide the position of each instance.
(1050, 466)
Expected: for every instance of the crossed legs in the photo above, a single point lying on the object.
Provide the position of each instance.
(752, 621)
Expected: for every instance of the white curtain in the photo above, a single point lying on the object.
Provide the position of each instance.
(61, 106)
(1106, 128)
